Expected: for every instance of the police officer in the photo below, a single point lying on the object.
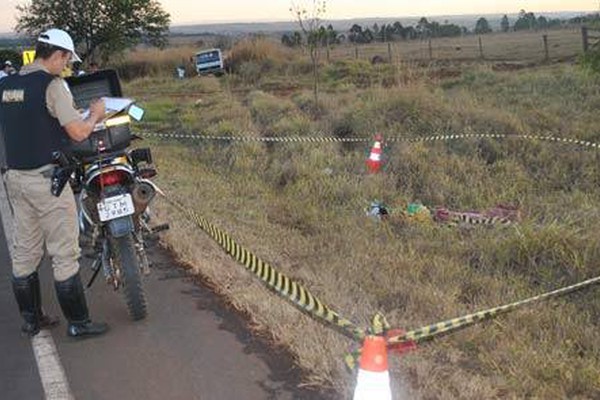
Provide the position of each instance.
(37, 118)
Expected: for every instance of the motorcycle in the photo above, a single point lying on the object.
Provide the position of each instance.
(113, 191)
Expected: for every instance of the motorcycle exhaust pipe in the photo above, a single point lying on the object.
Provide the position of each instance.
(142, 194)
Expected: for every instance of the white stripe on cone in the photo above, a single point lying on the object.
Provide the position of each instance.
(374, 161)
(373, 379)
(373, 386)
(375, 157)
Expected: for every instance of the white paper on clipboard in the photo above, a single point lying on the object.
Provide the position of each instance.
(113, 106)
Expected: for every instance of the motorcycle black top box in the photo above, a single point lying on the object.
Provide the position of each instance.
(115, 133)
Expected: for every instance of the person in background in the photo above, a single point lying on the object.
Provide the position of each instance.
(37, 118)
(7, 69)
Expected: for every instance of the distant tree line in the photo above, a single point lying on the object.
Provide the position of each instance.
(590, 19)
(321, 36)
(425, 29)
(528, 21)
(384, 33)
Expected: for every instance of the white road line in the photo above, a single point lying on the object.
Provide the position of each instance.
(52, 374)
(54, 380)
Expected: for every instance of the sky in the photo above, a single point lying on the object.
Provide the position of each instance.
(190, 11)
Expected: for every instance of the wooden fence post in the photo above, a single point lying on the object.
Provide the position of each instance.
(546, 52)
(430, 50)
(481, 48)
(585, 38)
(390, 52)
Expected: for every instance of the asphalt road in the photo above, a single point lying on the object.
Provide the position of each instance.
(190, 347)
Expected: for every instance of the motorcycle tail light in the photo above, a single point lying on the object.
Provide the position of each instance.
(113, 177)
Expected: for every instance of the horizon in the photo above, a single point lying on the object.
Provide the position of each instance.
(340, 10)
(268, 21)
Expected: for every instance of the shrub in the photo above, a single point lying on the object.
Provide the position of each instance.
(591, 61)
(267, 110)
(155, 62)
(258, 50)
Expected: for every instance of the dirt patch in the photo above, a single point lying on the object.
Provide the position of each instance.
(445, 73)
(512, 66)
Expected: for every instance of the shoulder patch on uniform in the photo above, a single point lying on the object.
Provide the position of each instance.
(13, 96)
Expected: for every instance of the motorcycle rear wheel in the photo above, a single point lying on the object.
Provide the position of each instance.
(125, 255)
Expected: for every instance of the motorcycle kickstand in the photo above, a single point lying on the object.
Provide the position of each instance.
(96, 268)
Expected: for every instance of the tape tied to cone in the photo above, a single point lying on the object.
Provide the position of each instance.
(380, 327)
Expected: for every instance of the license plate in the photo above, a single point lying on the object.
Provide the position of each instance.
(115, 207)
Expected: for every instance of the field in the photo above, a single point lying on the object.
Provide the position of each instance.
(514, 47)
(301, 207)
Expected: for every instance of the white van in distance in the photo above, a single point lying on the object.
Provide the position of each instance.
(209, 62)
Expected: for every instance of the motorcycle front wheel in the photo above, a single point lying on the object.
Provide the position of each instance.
(125, 255)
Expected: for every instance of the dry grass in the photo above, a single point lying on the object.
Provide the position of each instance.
(301, 208)
(155, 62)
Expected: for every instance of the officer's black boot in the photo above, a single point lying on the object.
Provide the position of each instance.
(29, 297)
(72, 302)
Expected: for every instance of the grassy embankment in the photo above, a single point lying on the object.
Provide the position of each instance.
(301, 208)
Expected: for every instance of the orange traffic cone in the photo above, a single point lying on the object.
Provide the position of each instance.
(374, 162)
(373, 380)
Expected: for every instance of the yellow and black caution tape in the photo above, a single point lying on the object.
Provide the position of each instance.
(275, 280)
(379, 325)
(253, 138)
(304, 300)
(549, 138)
(431, 331)
(322, 137)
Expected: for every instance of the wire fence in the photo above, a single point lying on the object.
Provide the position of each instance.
(537, 46)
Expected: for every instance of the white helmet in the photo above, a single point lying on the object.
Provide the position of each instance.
(59, 38)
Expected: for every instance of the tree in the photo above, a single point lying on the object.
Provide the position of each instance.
(423, 28)
(399, 30)
(375, 29)
(482, 26)
(292, 39)
(332, 36)
(526, 21)
(449, 30)
(310, 25)
(505, 24)
(356, 34)
(100, 27)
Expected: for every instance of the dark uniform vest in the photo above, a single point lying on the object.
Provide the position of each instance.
(29, 132)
